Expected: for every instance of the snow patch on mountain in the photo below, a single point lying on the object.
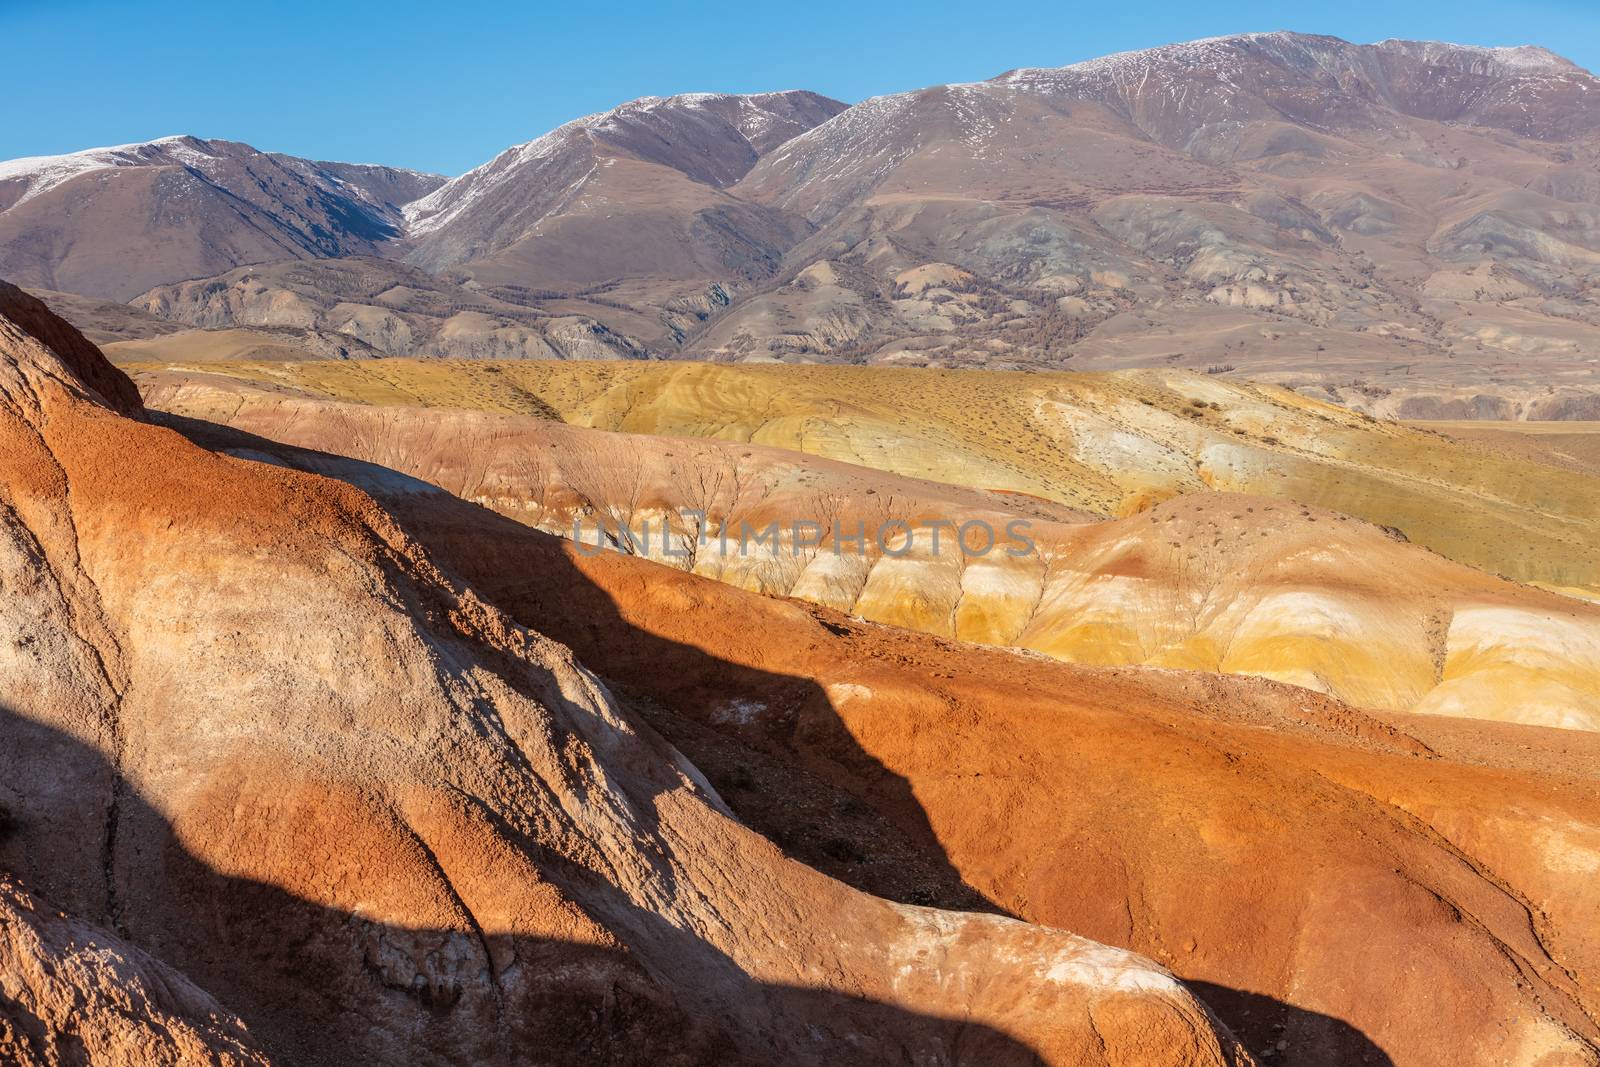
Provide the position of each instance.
(43, 173)
(758, 119)
(458, 196)
(1524, 57)
(1226, 55)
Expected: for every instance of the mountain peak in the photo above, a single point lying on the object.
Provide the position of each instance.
(1525, 58)
(1300, 49)
(216, 204)
(43, 173)
(711, 138)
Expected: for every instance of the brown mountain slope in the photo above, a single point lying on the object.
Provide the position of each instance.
(631, 199)
(112, 222)
(1342, 890)
(1244, 585)
(708, 139)
(1298, 208)
(252, 728)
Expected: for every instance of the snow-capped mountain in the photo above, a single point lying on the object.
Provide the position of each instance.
(1174, 91)
(688, 146)
(1197, 98)
(115, 221)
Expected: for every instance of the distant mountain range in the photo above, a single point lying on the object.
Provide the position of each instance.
(1412, 228)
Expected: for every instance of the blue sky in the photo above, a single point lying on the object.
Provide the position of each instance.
(442, 86)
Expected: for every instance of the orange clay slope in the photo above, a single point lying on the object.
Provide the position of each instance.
(1416, 888)
(73, 993)
(250, 727)
(1207, 581)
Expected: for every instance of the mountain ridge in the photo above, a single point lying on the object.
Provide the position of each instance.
(1408, 228)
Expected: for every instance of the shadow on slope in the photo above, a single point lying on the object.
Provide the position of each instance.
(759, 732)
(772, 743)
(325, 986)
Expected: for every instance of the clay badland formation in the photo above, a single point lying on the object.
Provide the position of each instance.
(477, 843)
(1102, 444)
(1349, 883)
(254, 734)
(1206, 581)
